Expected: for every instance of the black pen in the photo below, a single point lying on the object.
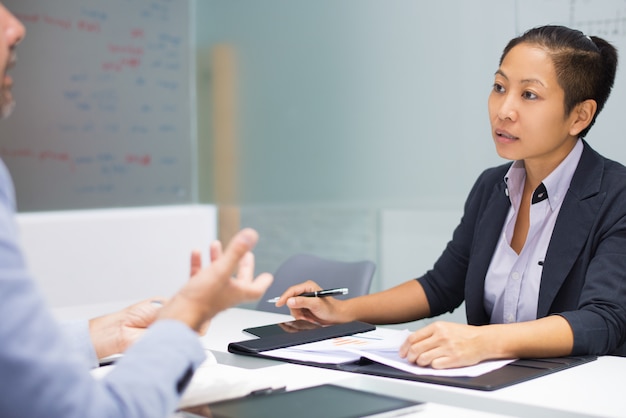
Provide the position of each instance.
(318, 294)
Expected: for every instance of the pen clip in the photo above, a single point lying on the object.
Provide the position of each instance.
(267, 391)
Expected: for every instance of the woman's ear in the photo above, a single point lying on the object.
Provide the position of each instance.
(583, 112)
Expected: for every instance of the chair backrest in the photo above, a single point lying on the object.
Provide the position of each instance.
(356, 276)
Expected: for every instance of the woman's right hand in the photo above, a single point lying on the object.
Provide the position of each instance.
(323, 311)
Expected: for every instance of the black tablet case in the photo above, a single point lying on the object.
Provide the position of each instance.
(325, 400)
(518, 371)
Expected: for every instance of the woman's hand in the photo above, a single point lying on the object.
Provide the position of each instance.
(324, 311)
(443, 345)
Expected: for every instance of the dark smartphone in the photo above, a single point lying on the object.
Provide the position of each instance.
(288, 327)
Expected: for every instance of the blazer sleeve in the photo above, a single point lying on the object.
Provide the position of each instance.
(593, 296)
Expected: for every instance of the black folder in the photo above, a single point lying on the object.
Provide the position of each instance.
(516, 372)
(274, 342)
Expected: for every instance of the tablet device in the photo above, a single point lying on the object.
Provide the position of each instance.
(328, 401)
(288, 327)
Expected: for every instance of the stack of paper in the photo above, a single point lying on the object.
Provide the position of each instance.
(216, 382)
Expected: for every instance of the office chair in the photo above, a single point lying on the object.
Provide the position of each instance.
(356, 276)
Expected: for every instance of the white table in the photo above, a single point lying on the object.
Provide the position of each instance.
(592, 389)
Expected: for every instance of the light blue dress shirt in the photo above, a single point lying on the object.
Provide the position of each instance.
(42, 374)
(77, 332)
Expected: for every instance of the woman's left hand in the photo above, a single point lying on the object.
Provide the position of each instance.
(444, 345)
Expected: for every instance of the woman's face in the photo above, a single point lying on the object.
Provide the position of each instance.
(527, 111)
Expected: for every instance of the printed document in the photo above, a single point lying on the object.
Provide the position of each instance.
(382, 346)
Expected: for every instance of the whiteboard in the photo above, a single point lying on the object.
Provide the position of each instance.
(104, 110)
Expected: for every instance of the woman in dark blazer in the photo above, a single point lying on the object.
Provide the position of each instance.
(539, 256)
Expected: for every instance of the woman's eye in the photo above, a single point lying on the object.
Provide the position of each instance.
(498, 88)
(529, 95)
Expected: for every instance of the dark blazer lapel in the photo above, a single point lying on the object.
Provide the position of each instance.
(571, 231)
(487, 233)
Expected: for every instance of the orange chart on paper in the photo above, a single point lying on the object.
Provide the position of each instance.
(348, 341)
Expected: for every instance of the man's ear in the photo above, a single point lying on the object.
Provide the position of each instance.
(583, 115)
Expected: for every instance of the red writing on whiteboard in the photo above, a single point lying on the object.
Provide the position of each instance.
(138, 159)
(54, 21)
(43, 156)
(125, 49)
(131, 62)
(121, 64)
(27, 18)
(136, 33)
(54, 156)
(66, 157)
(86, 26)
(18, 152)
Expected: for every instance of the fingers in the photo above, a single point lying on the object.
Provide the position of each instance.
(318, 310)
(246, 267)
(238, 246)
(254, 288)
(304, 302)
(443, 345)
(308, 316)
(413, 340)
(146, 309)
(420, 348)
(257, 288)
(308, 286)
(196, 263)
(215, 250)
(214, 289)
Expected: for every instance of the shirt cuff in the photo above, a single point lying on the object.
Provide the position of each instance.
(77, 332)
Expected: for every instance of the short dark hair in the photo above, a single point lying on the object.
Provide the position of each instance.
(585, 65)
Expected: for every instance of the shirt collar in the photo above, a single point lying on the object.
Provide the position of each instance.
(556, 184)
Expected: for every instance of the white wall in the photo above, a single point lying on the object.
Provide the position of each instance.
(110, 255)
(410, 243)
